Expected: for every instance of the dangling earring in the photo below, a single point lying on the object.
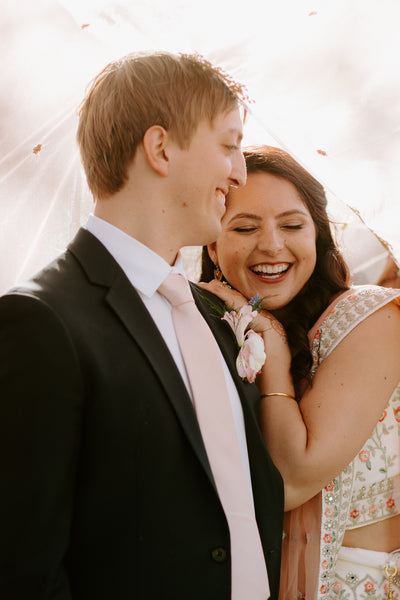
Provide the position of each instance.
(217, 272)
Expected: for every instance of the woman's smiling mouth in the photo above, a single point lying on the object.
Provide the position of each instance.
(270, 272)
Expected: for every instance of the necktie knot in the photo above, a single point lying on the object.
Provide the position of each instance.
(176, 289)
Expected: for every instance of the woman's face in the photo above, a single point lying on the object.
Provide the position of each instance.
(267, 243)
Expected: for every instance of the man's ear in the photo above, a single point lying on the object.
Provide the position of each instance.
(212, 251)
(155, 142)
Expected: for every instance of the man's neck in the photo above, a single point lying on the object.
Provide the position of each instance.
(144, 226)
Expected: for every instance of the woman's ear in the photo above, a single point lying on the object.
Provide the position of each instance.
(212, 251)
(155, 142)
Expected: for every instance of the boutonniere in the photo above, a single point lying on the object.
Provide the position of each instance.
(251, 355)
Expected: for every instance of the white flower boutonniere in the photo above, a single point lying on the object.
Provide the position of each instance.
(251, 355)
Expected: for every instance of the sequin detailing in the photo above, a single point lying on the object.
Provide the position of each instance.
(357, 579)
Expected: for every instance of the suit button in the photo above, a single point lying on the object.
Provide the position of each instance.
(219, 554)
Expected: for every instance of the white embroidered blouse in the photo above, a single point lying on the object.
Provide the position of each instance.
(367, 490)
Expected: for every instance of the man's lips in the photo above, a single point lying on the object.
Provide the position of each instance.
(221, 197)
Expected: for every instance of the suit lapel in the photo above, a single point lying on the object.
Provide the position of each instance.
(126, 303)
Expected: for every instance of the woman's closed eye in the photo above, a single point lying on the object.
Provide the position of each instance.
(248, 229)
(251, 228)
(291, 227)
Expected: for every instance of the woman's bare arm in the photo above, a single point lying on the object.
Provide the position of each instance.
(312, 441)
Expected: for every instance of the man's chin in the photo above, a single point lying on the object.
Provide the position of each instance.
(203, 238)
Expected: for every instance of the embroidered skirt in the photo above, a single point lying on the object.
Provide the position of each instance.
(360, 574)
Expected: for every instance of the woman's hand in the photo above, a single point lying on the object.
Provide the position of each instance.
(275, 374)
(264, 323)
(235, 300)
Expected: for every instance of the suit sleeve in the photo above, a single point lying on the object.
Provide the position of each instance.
(40, 423)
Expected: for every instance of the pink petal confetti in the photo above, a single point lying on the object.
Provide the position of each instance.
(37, 149)
(322, 152)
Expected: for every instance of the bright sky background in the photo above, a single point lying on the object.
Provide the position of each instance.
(324, 76)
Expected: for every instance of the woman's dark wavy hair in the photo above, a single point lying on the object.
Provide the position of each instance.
(331, 274)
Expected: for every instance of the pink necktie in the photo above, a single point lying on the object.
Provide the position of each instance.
(214, 413)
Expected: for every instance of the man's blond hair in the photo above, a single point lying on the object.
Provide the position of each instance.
(137, 91)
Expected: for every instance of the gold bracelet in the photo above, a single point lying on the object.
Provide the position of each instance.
(278, 394)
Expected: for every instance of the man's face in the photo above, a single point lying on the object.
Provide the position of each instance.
(202, 175)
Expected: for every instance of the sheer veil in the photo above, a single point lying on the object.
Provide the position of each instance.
(333, 106)
(324, 79)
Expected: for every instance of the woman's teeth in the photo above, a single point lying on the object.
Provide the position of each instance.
(271, 271)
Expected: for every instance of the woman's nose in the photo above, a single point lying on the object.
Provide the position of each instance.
(271, 240)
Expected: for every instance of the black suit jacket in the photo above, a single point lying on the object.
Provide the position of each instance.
(105, 488)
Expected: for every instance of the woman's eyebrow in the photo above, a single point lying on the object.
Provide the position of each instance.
(286, 213)
(245, 216)
(293, 211)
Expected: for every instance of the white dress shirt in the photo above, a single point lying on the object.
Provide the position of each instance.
(146, 270)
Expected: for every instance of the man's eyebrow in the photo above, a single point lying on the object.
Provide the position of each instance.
(238, 133)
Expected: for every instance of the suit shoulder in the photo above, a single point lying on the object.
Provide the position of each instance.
(23, 311)
(51, 277)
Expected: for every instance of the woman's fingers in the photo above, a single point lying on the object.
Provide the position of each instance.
(235, 300)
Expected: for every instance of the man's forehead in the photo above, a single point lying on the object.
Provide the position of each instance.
(230, 122)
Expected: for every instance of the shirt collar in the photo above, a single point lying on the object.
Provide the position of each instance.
(145, 269)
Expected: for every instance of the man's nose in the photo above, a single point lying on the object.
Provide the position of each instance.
(239, 171)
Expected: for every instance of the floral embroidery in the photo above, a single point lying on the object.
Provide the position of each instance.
(369, 587)
(329, 513)
(355, 514)
(375, 466)
(337, 586)
(327, 538)
(364, 456)
(383, 415)
(396, 416)
(330, 487)
(323, 589)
